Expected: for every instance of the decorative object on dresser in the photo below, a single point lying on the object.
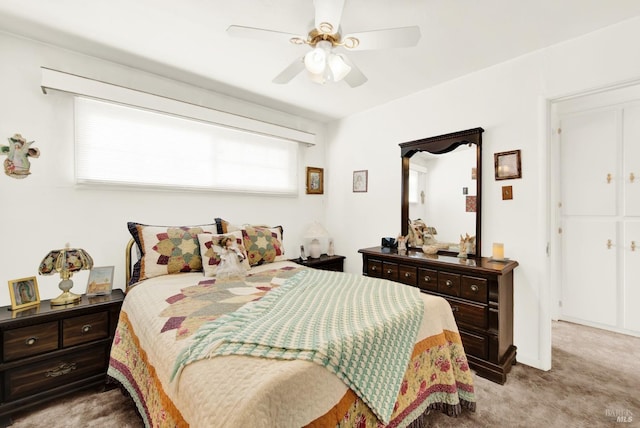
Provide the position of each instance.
(49, 352)
(324, 262)
(479, 290)
(65, 261)
(24, 293)
(442, 162)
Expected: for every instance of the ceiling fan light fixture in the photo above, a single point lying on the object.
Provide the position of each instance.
(339, 68)
(315, 61)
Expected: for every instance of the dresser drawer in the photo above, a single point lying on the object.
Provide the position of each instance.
(54, 372)
(474, 344)
(408, 275)
(32, 340)
(374, 268)
(390, 271)
(85, 328)
(428, 279)
(470, 313)
(449, 283)
(474, 289)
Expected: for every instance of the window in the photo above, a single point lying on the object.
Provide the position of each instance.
(121, 145)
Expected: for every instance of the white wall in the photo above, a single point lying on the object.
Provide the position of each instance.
(509, 101)
(46, 210)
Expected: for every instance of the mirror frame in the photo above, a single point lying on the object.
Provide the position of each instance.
(438, 145)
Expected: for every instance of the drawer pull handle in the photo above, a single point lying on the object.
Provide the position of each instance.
(86, 328)
(389, 272)
(31, 341)
(427, 278)
(407, 275)
(373, 268)
(454, 309)
(449, 283)
(62, 369)
(474, 288)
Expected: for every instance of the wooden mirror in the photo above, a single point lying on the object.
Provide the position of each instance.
(441, 184)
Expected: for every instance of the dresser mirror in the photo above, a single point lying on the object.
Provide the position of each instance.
(441, 185)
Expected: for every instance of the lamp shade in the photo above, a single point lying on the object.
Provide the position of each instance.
(65, 262)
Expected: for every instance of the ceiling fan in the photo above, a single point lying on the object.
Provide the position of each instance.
(322, 63)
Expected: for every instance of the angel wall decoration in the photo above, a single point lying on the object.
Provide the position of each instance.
(18, 152)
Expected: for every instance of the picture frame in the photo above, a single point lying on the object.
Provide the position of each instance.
(315, 181)
(24, 292)
(507, 165)
(360, 181)
(100, 282)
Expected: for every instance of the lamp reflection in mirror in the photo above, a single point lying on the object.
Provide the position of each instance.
(65, 261)
(324, 66)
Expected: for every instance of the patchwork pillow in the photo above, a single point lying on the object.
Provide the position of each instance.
(167, 250)
(211, 247)
(263, 244)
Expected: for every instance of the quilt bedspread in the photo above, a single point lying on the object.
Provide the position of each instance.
(160, 316)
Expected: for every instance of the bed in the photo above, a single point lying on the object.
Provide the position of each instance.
(177, 351)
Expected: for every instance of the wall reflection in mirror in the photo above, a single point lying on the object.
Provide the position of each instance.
(442, 193)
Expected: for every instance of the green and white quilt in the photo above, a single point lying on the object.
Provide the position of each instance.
(362, 329)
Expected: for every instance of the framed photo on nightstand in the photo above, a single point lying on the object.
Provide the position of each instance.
(24, 292)
(100, 281)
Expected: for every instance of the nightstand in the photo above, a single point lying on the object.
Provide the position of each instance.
(48, 352)
(324, 262)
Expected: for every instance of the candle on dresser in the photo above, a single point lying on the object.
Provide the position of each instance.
(498, 251)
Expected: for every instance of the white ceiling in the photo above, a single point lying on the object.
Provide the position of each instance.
(187, 40)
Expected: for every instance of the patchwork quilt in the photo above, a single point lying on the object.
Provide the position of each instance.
(162, 319)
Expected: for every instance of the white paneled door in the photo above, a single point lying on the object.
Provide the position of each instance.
(600, 214)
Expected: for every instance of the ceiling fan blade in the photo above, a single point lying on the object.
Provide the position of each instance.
(261, 34)
(355, 77)
(290, 72)
(328, 12)
(401, 37)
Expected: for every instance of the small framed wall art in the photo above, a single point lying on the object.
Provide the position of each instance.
(360, 180)
(508, 165)
(24, 292)
(100, 281)
(315, 181)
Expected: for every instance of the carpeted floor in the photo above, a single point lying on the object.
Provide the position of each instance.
(595, 378)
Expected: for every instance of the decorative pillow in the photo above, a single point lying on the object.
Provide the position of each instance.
(210, 248)
(167, 250)
(263, 244)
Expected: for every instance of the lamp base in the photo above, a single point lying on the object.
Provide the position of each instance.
(66, 298)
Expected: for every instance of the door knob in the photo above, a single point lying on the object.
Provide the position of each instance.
(633, 245)
(632, 177)
(609, 244)
(609, 178)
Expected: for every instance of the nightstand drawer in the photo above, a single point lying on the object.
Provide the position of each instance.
(85, 329)
(32, 340)
(53, 372)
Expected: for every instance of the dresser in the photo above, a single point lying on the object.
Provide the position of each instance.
(48, 352)
(479, 290)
